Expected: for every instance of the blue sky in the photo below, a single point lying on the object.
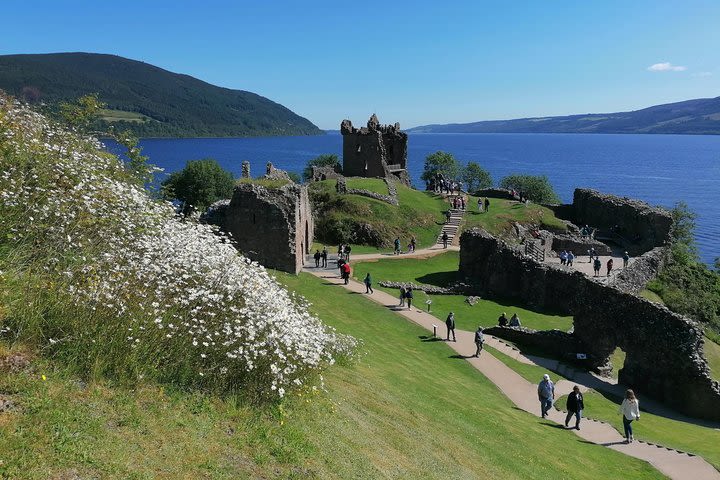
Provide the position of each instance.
(414, 62)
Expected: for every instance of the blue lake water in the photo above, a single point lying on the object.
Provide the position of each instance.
(659, 169)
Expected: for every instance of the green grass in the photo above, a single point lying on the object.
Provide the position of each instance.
(712, 355)
(654, 428)
(122, 116)
(531, 373)
(441, 270)
(618, 360)
(392, 414)
(652, 296)
(503, 213)
(373, 223)
(272, 184)
(376, 185)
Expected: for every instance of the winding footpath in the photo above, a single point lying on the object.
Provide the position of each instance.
(675, 464)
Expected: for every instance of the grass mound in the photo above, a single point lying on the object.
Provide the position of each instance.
(504, 213)
(95, 272)
(365, 221)
(376, 185)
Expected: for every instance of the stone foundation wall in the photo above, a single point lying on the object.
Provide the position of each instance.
(642, 226)
(557, 343)
(663, 349)
(579, 245)
(640, 271)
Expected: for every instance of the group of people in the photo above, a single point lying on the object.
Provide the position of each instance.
(439, 184)
(406, 296)
(321, 258)
(343, 251)
(513, 322)
(575, 404)
(410, 246)
(483, 202)
(567, 257)
(345, 270)
(479, 337)
(458, 203)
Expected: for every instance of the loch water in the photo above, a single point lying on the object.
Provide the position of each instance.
(659, 169)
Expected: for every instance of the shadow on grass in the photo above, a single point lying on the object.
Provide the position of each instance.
(428, 338)
(554, 425)
(461, 357)
(439, 279)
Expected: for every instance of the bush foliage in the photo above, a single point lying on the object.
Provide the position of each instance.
(535, 187)
(440, 163)
(199, 184)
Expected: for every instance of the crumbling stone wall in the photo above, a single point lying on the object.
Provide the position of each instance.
(663, 349)
(640, 271)
(579, 245)
(324, 173)
(271, 226)
(643, 227)
(374, 151)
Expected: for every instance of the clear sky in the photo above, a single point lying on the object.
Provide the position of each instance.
(416, 62)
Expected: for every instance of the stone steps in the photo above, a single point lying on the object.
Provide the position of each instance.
(451, 226)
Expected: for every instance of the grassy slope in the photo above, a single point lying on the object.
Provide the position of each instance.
(656, 429)
(376, 185)
(503, 213)
(419, 214)
(712, 354)
(406, 410)
(442, 270)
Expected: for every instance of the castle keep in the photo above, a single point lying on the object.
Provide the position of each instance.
(374, 151)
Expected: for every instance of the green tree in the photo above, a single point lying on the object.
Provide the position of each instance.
(684, 249)
(137, 162)
(324, 160)
(198, 185)
(440, 162)
(476, 177)
(535, 187)
(83, 112)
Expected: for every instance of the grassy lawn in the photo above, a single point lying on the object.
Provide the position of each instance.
(441, 270)
(531, 373)
(656, 429)
(376, 185)
(503, 213)
(652, 296)
(418, 214)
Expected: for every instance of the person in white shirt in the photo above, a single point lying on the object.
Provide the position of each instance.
(630, 409)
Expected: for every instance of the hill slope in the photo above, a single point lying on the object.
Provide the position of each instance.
(160, 103)
(698, 117)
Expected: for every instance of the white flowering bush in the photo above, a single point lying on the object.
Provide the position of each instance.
(96, 272)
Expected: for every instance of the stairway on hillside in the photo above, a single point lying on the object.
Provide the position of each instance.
(452, 226)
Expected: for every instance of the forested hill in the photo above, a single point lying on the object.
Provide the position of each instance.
(698, 117)
(149, 100)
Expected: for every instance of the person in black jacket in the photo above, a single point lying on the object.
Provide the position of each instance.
(450, 324)
(575, 407)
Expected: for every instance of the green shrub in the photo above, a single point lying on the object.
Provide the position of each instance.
(535, 187)
(476, 177)
(440, 163)
(199, 184)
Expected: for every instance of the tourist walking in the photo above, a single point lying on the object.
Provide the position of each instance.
(340, 264)
(448, 214)
(348, 248)
(503, 320)
(445, 239)
(575, 406)
(570, 258)
(324, 256)
(626, 259)
(368, 284)
(341, 250)
(591, 254)
(409, 296)
(397, 246)
(346, 272)
(596, 266)
(546, 395)
(402, 297)
(450, 324)
(563, 257)
(317, 257)
(609, 266)
(413, 244)
(479, 340)
(487, 205)
(630, 409)
(480, 204)
(515, 320)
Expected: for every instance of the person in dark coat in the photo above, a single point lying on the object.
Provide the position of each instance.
(575, 407)
(450, 324)
(503, 320)
(346, 272)
(317, 258)
(487, 205)
(445, 239)
(409, 296)
(479, 340)
(324, 256)
(368, 284)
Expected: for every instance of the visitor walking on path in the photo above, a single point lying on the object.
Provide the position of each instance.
(445, 239)
(324, 257)
(563, 257)
(348, 248)
(346, 272)
(397, 246)
(479, 340)
(368, 284)
(487, 205)
(575, 406)
(450, 324)
(341, 264)
(570, 258)
(480, 204)
(515, 320)
(609, 266)
(409, 297)
(546, 395)
(626, 259)
(630, 409)
(596, 266)
(341, 250)
(591, 254)
(317, 258)
(402, 297)
(502, 320)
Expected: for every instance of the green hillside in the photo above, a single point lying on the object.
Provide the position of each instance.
(148, 100)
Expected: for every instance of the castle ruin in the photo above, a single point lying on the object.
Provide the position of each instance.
(378, 151)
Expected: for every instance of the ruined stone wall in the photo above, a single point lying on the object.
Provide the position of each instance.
(643, 226)
(663, 349)
(559, 344)
(579, 245)
(640, 270)
(271, 226)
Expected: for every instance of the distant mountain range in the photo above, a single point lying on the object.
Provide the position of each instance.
(697, 117)
(146, 99)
